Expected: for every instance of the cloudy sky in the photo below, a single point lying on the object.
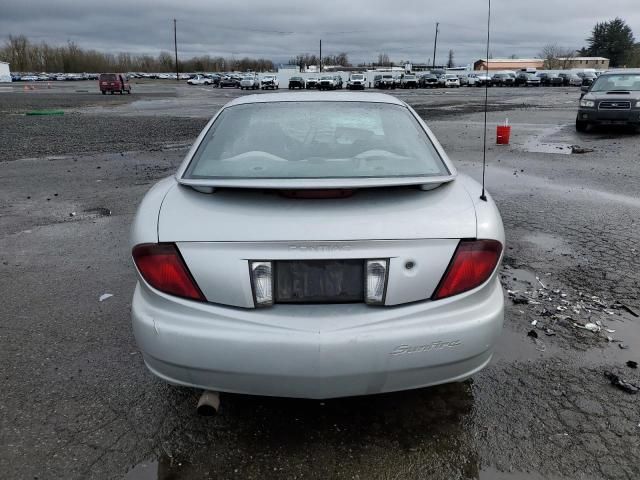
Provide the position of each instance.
(282, 28)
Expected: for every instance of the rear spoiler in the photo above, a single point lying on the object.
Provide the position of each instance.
(210, 184)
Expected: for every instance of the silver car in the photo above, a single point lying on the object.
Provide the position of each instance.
(249, 82)
(316, 245)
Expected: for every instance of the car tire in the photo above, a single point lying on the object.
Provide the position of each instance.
(104, 92)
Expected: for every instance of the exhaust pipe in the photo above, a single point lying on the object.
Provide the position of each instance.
(209, 404)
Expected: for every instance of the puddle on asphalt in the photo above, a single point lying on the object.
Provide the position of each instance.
(503, 177)
(547, 242)
(144, 471)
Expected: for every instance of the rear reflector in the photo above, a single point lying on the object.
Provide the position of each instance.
(376, 281)
(262, 282)
(471, 266)
(162, 266)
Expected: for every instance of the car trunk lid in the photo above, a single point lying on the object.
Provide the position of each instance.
(319, 240)
(244, 215)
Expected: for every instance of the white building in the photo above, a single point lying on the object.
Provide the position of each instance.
(5, 74)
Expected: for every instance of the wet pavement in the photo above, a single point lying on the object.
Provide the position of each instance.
(77, 401)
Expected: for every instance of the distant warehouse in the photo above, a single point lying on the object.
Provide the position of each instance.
(599, 63)
(509, 64)
(5, 74)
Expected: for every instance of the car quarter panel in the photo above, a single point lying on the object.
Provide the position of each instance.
(145, 223)
(488, 220)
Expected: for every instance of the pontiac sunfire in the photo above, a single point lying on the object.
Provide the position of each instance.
(316, 245)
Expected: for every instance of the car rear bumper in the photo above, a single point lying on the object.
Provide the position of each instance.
(286, 350)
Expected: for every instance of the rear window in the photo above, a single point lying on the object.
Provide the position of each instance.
(108, 77)
(315, 140)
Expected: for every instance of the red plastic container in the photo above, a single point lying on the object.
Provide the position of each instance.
(502, 135)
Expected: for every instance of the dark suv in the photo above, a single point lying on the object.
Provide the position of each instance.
(527, 79)
(503, 80)
(428, 80)
(613, 99)
(550, 79)
(384, 81)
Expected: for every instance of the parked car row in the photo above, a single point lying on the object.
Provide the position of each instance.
(52, 77)
(443, 79)
(356, 81)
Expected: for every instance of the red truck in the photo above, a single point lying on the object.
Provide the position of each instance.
(114, 82)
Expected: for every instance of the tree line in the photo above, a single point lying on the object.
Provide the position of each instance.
(27, 56)
(305, 60)
(612, 39)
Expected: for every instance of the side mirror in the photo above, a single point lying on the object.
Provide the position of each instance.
(584, 88)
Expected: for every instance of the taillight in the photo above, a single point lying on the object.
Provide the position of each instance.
(471, 266)
(162, 266)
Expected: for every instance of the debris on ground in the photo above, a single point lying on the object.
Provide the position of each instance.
(623, 346)
(632, 364)
(532, 334)
(592, 327)
(105, 296)
(558, 310)
(517, 298)
(579, 149)
(100, 211)
(626, 308)
(621, 384)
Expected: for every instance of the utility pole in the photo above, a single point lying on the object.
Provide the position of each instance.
(320, 61)
(435, 44)
(175, 46)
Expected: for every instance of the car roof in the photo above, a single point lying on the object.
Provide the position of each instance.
(316, 97)
(618, 71)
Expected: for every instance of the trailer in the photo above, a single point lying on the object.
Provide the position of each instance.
(5, 73)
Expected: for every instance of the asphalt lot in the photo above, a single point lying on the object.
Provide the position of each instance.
(77, 402)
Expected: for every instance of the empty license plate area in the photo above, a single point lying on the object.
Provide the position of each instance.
(319, 281)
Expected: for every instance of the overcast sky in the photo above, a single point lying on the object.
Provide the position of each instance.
(282, 28)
